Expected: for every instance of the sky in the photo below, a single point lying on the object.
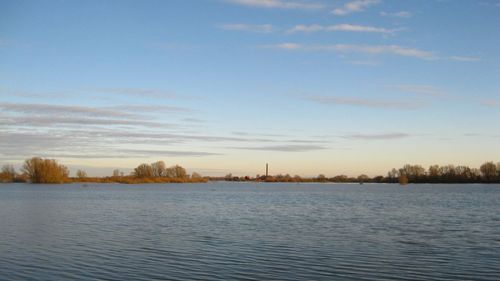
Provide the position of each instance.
(225, 86)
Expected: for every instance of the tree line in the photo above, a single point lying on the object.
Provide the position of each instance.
(40, 170)
(488, 172)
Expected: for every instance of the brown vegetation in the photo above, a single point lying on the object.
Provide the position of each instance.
(39, 170)
(136, 180)
(81, 174)
(8, 173)
(403, 180)
(156, 172)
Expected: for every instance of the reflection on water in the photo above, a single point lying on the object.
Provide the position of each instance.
(250, 231)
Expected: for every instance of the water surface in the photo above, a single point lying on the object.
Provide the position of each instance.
(248, 231)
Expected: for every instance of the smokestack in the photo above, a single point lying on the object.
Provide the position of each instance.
(267, 170)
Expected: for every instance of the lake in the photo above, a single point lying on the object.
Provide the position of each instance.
(249, 231)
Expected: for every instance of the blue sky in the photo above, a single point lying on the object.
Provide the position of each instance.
(219, 86)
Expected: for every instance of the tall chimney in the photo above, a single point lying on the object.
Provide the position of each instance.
(267, 170)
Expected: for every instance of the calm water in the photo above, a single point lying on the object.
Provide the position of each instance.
(251, 231)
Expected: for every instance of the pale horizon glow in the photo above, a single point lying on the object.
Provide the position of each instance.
(225, 86)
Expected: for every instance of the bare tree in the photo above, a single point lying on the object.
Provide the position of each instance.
(434, 171)
(363, 178)
(8, 173)
(143, 171)
(159, 169)
(321, 178)
(40, 170)
(403, 180)
(81, 174)
(176, 172)
(392, 174)
(488, 170)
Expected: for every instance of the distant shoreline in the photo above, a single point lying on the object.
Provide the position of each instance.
(246, 183)
(38, 171)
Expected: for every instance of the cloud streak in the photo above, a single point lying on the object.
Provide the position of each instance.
(137, 92)
(363, 102)
(354, 7)
(90, 133)
(49, 115)
(400, 14)
(362, 49)
(257, 28)
(341, 27)
(170, 153)
(382, 136)
(284, 148)
(18, 145)
(61, 110)
(279, 4)
(146, 108)
(53, 121)
(420, 89)
(395, 50)
(463, 58)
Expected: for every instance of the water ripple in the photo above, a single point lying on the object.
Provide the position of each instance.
(248, 232)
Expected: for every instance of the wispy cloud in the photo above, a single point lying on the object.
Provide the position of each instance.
(279, 4)
(419, 89)
(354, 7)
(161, 152)
(383, 49)
(97, 143)
(192, 120)
(463, 58)
(370, 50)
(364, 62)
(19, 145)
(481, 135)
(284, 148)
(382, 136)
(257, 28)
(364, 49)
(284, 46)
(54, 121)
(472, 135)
(39, 95)
(52, 116)
(400, 14)
(148, 108)
(62, 110)
(137, 91)
(363, 102)
(341, 27)
(119, 111)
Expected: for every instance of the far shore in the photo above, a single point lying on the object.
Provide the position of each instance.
(40, 171)
(152, 181)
